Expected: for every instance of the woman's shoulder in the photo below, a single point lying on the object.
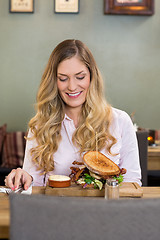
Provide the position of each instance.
(119, 114)
(121, 120)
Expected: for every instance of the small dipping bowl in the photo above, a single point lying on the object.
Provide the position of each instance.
(59, 181)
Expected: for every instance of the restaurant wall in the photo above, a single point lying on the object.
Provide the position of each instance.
(126, 48)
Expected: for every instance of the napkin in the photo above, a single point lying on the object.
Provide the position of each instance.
(8, 190)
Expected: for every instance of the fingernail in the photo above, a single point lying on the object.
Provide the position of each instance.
(12, 188)
(16, 188)
(26, 187)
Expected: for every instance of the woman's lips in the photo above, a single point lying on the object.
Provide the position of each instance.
(74, 95)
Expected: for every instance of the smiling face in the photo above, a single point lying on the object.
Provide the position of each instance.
(73, 80)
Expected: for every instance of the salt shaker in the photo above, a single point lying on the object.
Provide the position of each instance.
(111, 189)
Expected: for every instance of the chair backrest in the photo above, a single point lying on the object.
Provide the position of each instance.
(65, 218)
(143, 154)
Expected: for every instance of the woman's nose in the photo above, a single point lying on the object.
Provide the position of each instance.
(72, 85)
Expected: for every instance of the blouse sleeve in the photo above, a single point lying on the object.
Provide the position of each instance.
(28, 164)
(129, 153)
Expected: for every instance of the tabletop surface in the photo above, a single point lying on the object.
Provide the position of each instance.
(154, 151)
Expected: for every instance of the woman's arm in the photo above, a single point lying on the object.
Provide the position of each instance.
(29, 166)
(129, 152)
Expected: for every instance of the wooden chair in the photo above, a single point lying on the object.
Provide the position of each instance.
(143, 154)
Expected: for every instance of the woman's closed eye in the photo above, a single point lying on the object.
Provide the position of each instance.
(63, 79)
(80, 78)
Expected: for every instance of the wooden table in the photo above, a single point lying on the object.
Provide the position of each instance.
(154, 158)
(148, 192)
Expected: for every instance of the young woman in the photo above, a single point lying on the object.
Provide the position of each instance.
(71, 112)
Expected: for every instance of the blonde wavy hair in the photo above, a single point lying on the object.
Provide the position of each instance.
(96, 115)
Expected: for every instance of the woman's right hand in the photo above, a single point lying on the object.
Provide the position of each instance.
(18, 177)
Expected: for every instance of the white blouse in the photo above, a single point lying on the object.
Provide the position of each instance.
(126, 149)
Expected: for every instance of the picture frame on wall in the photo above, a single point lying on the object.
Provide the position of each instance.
(21, 6)
(66, 6)
(129, 7)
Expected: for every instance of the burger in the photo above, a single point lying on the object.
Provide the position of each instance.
(95, 169)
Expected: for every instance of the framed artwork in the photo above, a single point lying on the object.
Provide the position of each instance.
(129, 7)
(66, 6)
(21, 6)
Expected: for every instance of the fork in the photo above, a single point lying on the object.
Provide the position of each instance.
(19, 190)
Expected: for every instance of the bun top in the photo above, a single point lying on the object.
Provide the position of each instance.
(98, 163)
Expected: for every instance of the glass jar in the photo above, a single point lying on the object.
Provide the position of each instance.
(111, 189)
